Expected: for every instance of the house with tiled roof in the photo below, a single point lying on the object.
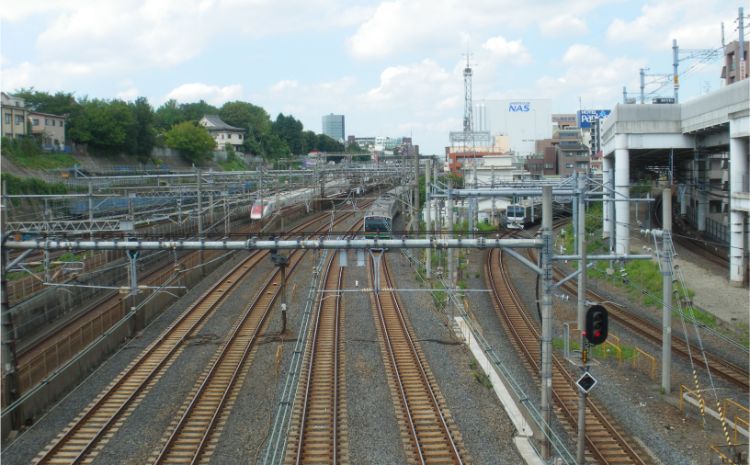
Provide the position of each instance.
(223, 133)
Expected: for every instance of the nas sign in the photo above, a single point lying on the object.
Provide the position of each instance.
(515, 107)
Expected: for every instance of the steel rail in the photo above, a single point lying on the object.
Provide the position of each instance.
(563, 389)
(443, 425)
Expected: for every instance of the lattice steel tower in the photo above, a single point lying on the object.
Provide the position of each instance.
(468, 105)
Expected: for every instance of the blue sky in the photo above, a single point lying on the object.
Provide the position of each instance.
(394, 68)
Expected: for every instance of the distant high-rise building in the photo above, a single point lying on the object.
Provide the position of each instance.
(333, 127)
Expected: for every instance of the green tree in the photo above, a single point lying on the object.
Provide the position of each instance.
(196, 110)
(107, 127)
(290, 131)
(167, 115)
(60, 103)
(246, 116)
(274, 147)
(355, 148)
(327, 144)
(309, 142)
(192, 141)
(145, 133)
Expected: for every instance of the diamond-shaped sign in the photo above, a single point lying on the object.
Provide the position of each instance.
(586, 382)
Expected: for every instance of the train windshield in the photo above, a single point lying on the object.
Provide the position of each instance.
(377, 223)
(514, 212)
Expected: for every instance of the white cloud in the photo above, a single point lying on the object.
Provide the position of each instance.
(420, 86)
(399, 25)
(694, 23)
(564, 25)
(123, 37)
(588, 72)
(128, 94)
(216, 95)
(285, 85)
(581, 54)
(512, 50)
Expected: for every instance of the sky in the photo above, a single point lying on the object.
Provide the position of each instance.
(393, 68)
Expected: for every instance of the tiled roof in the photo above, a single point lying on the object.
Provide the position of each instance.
(215, 123)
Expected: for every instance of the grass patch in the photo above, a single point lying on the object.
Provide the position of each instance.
(27, 153)
(479, 375)
(486, 227)
(20, 186)
(232, 163)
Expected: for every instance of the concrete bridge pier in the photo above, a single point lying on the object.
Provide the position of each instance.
(622, 194)
(738, 219)
(607, 181)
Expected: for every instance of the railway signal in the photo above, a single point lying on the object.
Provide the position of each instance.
(596, 324)
(586, 382)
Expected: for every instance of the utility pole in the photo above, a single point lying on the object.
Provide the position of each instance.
(47, 271)
(574, 206)
(743, 65)
(91, 211)
(428, 218)
(546, 341)
(666, 271)
(200, 220)
(416, 190)
(675, 67)
(449, 226)
(9, 361)
(581, 445)
(643, 85)
(582, 252)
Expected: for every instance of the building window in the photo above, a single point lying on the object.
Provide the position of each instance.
(46, 121)
(35, 121)
(53, 122)
(19, 119)
(61, 123)
(7, 118)
(222, 136)
(240, 136)
(569, 165)
(548, 166)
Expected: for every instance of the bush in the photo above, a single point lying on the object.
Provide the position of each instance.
(26, 152)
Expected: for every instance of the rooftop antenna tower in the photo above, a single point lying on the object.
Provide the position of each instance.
(468, 104)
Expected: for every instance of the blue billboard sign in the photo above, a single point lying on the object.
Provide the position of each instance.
(586, 117)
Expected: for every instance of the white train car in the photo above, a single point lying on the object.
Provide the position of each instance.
(265, 207)
(522, 214)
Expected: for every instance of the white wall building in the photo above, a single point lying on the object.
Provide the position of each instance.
(523, 120)
(223, 133)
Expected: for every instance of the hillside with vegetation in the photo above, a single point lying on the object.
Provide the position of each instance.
(105, 128)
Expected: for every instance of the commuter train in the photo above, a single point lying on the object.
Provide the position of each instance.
(265, 207)
(525, 213)
(378, 221)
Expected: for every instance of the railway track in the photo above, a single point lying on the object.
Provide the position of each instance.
(427, 430)
(318, 433)
(81, 441)
(194, 435)
(643, 327)
(40, 356)
(605, 442)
